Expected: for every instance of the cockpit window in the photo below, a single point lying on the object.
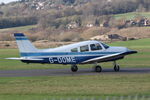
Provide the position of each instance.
(84, 48)
(74, 50)
(105, 46)
(95, 47)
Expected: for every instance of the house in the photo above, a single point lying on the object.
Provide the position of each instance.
(89, 25)
(72, 25)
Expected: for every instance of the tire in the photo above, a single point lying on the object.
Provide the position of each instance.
(74, 68)
(98, 69)
(116, 68)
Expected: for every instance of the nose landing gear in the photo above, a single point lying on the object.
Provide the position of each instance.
(116, 67)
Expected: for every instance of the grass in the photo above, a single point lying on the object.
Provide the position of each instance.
(22, 28)
(132, 15)
(101, 85)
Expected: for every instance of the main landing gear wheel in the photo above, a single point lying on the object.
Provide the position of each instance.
(74, 68)
(98, 68)
(116, 67)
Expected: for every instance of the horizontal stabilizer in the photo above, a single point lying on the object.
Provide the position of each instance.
(22, 58)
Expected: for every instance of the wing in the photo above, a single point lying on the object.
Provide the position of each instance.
(102, 58)
(25, 58)
(111, 57)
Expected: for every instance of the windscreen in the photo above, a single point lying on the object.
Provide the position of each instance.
(105, 46)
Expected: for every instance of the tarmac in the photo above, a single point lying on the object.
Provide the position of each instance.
(67, 72)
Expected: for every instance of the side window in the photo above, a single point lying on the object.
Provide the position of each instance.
(84, 48)
(95, 47)
(74, 50)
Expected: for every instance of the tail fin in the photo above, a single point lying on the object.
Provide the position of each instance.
(24, 45)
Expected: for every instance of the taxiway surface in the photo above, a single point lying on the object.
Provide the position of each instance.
(65, 72)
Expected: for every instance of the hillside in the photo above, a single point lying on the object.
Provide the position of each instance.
(132, 15)
(73, 20)
(63, 13)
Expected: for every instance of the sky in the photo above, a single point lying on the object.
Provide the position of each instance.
(7, 1)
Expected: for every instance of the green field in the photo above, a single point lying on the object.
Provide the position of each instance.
(22, 28)
(132, 15)
(102, 85)
(74, 86)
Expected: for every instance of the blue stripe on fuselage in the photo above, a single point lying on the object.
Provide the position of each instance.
(65, 53)
(62, 60)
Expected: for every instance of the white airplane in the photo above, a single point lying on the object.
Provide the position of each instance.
(86, 52)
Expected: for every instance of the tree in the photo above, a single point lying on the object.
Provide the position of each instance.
(69, 11)
(78, 21)
(97, 22)
(147, 4)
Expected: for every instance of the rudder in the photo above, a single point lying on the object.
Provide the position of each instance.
(23, 43)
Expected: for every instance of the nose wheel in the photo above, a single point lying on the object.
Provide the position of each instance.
(74, 68)
(116, 67)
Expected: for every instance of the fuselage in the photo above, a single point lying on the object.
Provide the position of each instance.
(77, 53)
